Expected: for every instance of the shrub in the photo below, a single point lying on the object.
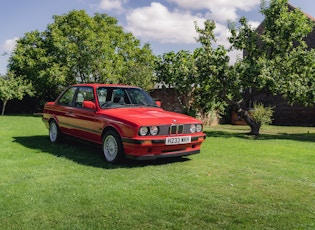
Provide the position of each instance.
(261, 114)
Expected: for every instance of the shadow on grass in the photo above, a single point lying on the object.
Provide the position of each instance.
(84, 153)
(306, 137)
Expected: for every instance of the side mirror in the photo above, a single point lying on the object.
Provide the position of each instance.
(158, 103)
(89, 105)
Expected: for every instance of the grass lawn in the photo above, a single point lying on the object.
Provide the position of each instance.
(237, 182)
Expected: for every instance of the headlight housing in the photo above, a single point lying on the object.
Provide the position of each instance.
(154, 130)
(192, 128)
(148, 130)
(143, 131)
(195, 128)
(198, 128)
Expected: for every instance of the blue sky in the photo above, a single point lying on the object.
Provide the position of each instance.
(168, 25)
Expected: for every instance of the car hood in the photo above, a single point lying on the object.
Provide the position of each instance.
(148, 116)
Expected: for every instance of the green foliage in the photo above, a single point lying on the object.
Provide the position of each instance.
(77, 48)
(236, 182)
(276, 58)
(177, 70)
(198, 75)
(262, 115)
(13, 88)
(213, 70)
(288, 67)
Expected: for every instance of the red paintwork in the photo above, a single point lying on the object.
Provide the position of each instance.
(89, 124)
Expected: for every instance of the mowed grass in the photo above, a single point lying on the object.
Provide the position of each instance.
(237, 182)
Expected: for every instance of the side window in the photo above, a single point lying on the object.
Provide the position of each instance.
(102, 95)
(67, 98)
(84, 94)
(118, 96)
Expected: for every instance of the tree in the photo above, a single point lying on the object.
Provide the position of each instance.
(277, 55)
(78, 48)
(276, 58)
(190, 74)
(177, 70)
(13, 88)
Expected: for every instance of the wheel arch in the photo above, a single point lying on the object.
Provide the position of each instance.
(53, 119)
(110, 128)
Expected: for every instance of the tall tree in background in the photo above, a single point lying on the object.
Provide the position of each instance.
(276, 57)
(77, 48)
(13, 88)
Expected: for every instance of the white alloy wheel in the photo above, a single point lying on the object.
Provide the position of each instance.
(53, 132)
(112, 147)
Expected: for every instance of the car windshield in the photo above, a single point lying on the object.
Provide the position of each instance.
(116, 97)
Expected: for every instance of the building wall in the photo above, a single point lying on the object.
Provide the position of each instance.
(285, 114)
(169, 98)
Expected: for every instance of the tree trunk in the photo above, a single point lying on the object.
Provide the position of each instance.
(3, 107)
(254, 126)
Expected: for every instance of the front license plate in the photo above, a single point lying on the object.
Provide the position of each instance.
(177, 140)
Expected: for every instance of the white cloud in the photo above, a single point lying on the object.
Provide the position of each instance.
(220, 9)
(156, 22)
(202, 4)
(235, 55)
(254, 24)
(9, 45)
(111, 5)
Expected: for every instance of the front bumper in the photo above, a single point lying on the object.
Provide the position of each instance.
(163, 155)
(145, 149)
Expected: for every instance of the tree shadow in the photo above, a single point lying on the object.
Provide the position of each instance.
(85, 153)
(303, 137)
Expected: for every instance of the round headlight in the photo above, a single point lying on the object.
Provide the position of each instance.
(154, 130)
(199, 128)
(192, 128)
(143, 131)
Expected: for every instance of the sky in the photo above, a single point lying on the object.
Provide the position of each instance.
(167, 25)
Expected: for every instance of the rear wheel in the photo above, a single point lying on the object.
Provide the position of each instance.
(112, 147)
(54, 132)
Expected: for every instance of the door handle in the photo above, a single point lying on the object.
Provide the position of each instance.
(70, 114)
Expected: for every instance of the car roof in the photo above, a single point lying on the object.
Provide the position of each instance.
(96, 85)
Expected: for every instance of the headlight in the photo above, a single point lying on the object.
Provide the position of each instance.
(199, 128)
(143, 131)
(192, 128)
(154, 130)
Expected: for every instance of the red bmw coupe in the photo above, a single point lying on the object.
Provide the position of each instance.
(125, 120)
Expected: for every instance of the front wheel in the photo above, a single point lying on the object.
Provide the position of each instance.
(112, 147)
(54, 132)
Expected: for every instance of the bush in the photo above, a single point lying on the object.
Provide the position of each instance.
(261, 114)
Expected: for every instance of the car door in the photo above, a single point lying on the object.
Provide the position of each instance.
(83, 120)
(64, 107)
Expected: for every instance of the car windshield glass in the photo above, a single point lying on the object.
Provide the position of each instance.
(115, 97)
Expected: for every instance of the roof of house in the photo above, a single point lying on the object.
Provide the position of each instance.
(292, 8)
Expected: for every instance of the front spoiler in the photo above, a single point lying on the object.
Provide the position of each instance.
(162, 155)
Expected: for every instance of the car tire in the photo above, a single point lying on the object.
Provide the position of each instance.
(54, 132)
(112, 147)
